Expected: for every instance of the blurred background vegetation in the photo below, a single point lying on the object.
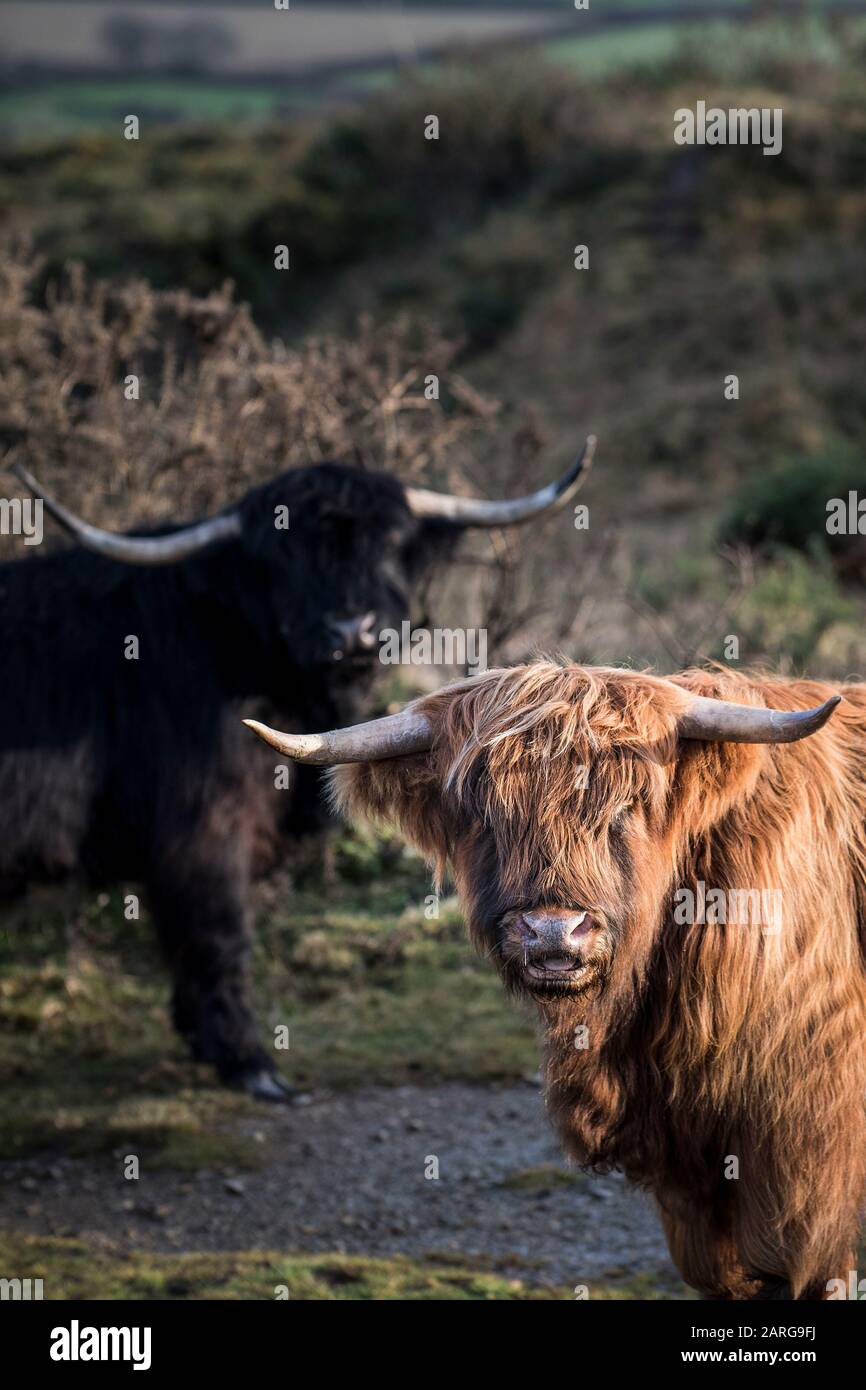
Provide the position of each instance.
(707, 516)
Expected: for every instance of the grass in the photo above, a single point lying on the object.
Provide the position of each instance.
(601, 53)
(543, 1179)
(371, 991)
(77, 1269)
(60, 106)
(722, 48)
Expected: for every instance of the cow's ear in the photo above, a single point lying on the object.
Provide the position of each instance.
(403, 793)
(712, 779)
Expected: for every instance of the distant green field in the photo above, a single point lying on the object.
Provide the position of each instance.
(64, 106)
(598, 54)
(69, 106)
(649, 45)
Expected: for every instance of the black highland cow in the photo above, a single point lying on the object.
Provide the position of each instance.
(136, 767)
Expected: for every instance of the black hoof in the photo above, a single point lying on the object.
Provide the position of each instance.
(267, 1085)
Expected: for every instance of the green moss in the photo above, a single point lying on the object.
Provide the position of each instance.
(77, 1269)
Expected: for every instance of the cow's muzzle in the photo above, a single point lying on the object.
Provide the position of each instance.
(553, 949)
(353, 639)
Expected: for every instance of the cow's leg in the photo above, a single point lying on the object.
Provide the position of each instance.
(200, 915)
(708, 1257)
(702, 1247)
(806, 1253)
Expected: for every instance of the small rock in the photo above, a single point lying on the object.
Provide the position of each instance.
(235, 1186)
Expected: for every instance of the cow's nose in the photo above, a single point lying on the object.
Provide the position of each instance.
(556, 929)
(353, 636)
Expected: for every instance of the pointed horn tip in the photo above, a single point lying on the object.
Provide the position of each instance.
(809, 721)
(269, 735)
(823, 712)
(581, 465)
(301, 748)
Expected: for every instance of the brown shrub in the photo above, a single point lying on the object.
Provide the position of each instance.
(220, 407)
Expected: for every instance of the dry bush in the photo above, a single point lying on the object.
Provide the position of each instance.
(220, 407)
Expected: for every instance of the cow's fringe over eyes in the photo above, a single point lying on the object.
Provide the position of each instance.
(707, 1043)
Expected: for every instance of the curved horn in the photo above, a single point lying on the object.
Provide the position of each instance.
(476, 511)
(393, 736)
(135, 550)
(717, 721)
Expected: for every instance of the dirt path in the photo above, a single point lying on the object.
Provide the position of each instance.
(346, 1172)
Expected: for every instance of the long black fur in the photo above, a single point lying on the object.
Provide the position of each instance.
(140, 770)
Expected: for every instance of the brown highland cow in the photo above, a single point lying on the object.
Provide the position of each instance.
(719, 1062)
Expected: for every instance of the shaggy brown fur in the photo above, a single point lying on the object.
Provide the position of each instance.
(703, 1042)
